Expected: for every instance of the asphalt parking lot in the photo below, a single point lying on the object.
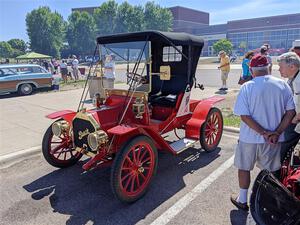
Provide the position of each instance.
(191, 188)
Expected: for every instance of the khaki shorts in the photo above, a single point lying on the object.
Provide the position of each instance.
(266, 156)
(224, 75)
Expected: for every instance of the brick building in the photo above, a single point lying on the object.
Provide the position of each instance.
(248, 34)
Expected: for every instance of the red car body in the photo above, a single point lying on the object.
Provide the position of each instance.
(126, 129)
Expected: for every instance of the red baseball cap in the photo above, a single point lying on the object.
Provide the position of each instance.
(259, 61)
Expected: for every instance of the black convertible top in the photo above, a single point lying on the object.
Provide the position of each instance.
(166, 37)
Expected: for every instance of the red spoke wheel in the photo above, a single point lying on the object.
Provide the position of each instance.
(133, 169)
(211, 130)
(59, 151)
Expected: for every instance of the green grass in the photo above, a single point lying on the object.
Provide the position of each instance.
(72, 82)
(71, 85)
(232, 121)
(229, 118)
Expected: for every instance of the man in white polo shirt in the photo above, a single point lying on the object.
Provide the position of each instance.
(266, 107)
(289, 67)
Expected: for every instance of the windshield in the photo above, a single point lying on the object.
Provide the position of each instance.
(127, 62)
(127, 51)
(124, 66)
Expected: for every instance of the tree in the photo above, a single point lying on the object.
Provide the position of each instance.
(137, 21)
(129, 18)
(223, 44)
(5, 49)
(157, 18)
(19, 47)
(18, 44)
(165, 19)
(124, 11)
(105, 17)
(113, 18)
(46, 31)
(81, 33)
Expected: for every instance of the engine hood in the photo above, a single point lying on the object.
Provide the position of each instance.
(106, 116)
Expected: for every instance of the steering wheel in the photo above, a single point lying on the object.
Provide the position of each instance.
(134, 76)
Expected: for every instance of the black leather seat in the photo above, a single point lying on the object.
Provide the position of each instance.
(169, 93)
(166, 101)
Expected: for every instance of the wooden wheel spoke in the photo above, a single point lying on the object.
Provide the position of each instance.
(207, 130)
(212, 139)
(143, 176)
(60, 153)
(126, 168)
(217, 122)
(208, 140)
(129, 160)
(134, 155)
(139, 154)
(211, 125)
(209, 133)
(214, 135)
(132, 183)
(65, 155)
(62, 138)
(147, 159)
(58, 147)
(126, 176)
(137, 181)
(143, 155)
(214, 119)
(72, 155)
(128, 181)
(208, 125)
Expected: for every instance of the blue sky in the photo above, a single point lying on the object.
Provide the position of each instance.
(13, 12)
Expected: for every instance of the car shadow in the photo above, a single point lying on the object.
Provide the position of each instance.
(88, 197)
(221, 92)
(12, 95)
(16, 95)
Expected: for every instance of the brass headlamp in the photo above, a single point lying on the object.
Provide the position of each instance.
(60, 127)
(97, 139)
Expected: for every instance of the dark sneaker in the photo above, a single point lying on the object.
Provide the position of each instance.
(225, 89)
(239, 205)
(221, 89)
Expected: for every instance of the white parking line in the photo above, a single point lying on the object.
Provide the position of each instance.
(188, 198)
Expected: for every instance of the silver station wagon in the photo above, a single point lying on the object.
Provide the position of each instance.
(23, 78)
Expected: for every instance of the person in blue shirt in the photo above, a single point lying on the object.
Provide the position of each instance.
(245, 65)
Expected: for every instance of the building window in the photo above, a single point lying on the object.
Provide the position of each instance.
(170, 54)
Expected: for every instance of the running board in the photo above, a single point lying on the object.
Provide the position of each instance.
(183, 144)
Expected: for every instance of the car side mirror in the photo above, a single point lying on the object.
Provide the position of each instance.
(165, 72)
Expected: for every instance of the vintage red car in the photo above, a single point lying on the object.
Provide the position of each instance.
(126, 129)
